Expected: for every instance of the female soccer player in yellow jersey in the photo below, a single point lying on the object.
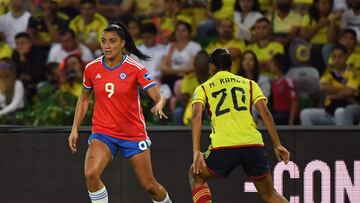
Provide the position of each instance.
(235, 140)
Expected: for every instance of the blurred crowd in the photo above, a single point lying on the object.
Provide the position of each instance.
(304, 54)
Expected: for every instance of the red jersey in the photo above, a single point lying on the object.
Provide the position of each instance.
(117, 110)
(283, 92)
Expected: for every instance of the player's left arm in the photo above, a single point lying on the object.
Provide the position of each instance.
(281, 153)
(159, 100)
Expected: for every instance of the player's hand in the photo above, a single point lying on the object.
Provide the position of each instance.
(198, 162)
(73, 141)
(157, 110)
(282, 154)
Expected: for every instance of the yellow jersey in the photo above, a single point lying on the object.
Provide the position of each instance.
(348, 78)
(229, 99)
(5, 50)
(353, 61)
(91, 32)
(285, 25)
(266, 52)
(188, 86)
(321, 36)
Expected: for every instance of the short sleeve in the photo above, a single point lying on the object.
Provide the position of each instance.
(145, 79)
(353, 80)
(305, 22)
(87, 82)
(326, 77)
(199, 96)
(256, 92)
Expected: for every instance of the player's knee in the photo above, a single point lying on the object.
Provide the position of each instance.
(269, 195)
(92, 174)
(151, 186)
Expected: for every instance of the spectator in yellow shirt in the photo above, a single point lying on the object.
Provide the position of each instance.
(226, 40)
(284, 21)
(222, 8)
(348, 39)
(264, 47)
(191, 81)
(89, 25)
(4, 6)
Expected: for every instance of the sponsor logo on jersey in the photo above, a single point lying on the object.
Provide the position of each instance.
(148, 76)
(122, 76)
(98, 76)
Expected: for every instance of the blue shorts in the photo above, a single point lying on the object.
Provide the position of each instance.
(127, 148)
(253, 160)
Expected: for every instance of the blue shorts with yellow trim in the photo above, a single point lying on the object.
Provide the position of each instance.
(127, 148)
(254, 161)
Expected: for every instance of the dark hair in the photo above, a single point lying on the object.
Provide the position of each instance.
(129, 18)
(349, 31)
(255, 7)
(282, 62)
(341, 48)
(130, 46)
(221, 58)
(93, 2)
(50, 67)
(149, 28)
(314, 11)
(263, 19)
(187, 25)
(256, 70)
(22, 35)
(70, 31)
(215, 5)
(201, 63)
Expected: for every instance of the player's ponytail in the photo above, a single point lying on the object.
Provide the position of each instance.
(130, 46)
(221, 58)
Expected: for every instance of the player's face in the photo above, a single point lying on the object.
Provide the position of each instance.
(112, 45)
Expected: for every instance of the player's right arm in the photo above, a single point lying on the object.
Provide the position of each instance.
(199, 100)
(80, 111)
(281, 153)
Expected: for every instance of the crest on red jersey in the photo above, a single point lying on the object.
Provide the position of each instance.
(122, 76)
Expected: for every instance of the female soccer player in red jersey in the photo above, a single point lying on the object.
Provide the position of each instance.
(118, 121)
(234, 139)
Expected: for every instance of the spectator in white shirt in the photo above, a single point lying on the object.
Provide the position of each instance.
(351, 17)
(245, 16)
(68, 45)
(11, 89)
(14, 21)
(179, 55)
(151, 48)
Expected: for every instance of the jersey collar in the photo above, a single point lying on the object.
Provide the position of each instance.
(117, 66)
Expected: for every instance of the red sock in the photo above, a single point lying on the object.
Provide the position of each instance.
(202, 194)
